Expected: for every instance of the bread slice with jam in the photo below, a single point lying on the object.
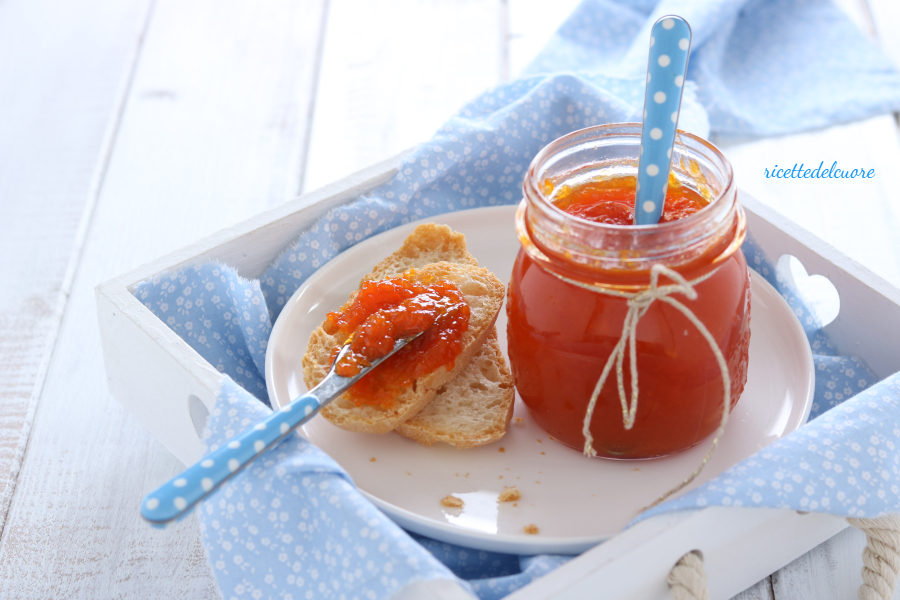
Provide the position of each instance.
(483, 293)
(475, 408)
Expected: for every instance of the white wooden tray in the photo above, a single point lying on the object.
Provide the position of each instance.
(170, 389)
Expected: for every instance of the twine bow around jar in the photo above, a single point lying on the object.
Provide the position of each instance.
(638, 304)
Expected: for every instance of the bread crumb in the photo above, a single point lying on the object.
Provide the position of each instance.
(372, 459)
(636, 470)
(518, 420)
(538, 482)
(502, 449)
(515, 503)
(509, 495)
(408, 473)
(467, 474)
(531, 529)
(501, 477)
(452, 502)
(539, 441)
(543, 453)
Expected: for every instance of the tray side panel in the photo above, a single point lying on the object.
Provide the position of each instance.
(160, 380)
(868, 324)
(740, 546)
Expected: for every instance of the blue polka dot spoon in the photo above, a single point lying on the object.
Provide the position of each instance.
(670, 45)
(177, 498)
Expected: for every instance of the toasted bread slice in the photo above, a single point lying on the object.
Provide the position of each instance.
(482, 291)
(472, 410)
(475, 408)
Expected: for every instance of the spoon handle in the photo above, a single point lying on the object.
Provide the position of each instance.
(670, 45)
(175, 499)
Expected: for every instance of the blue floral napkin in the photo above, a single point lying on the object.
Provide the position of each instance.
(293, 526)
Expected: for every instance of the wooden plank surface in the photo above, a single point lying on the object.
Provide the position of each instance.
(761, 591)
(62, 86)
(392, 72)
(531, 25)
(882, 17)
(213, 132)
(829, 571)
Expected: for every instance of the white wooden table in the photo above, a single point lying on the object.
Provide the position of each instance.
(130, 128)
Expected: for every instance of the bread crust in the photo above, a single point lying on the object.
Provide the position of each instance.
(428, 243)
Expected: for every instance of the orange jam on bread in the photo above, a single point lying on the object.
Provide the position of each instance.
(611, 201)
(383, 312)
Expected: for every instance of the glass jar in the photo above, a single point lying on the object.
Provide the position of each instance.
(565, 318)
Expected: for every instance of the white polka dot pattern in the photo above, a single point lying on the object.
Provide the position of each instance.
(192, 485)
(221, 315)
(667, 66)
(293, 526)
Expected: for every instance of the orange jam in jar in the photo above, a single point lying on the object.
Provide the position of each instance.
(383, 312)
(581, 260)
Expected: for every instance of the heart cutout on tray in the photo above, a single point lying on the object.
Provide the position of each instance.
(817, 291)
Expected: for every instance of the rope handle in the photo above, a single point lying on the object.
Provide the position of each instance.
(881, 558)
(687, 579)
(881, 563)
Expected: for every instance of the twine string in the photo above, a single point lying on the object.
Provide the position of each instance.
(638, 305)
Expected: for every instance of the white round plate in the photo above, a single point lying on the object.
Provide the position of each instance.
(576, 502)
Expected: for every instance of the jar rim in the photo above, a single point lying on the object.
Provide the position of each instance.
(628, 130)
(711, 234)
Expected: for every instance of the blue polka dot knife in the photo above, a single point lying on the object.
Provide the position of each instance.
(670, 45)
(176, 499)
